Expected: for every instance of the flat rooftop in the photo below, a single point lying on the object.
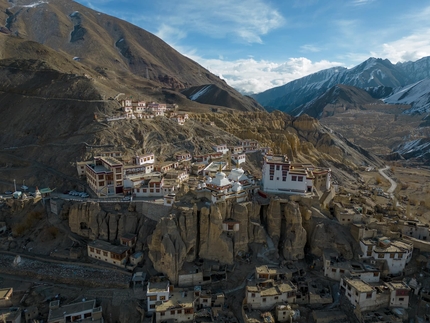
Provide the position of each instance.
(104, 245)
(65, 310)
(157, 287)
(5, 293)
(178, 299)
(359, 285)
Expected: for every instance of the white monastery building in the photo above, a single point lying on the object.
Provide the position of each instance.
(282, 176)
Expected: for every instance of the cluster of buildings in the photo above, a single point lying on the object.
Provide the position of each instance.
(84, 311)
(170, 304)
(111, 173)
(136, 109)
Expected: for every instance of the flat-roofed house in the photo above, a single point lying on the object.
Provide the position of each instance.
(105, 251)
(6, 297)
(85, 311)
(105, 176)
(10, 315)
(178, 308)
(266, 294)
(157, 292)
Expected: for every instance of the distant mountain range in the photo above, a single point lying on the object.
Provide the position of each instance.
(378, 76)
(114, 49)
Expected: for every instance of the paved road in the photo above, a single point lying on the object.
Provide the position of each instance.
(392, 182)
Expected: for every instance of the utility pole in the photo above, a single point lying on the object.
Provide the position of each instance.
(14, 184)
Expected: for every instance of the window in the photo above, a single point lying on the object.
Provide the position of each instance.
(162, 313)
(172, 312)
(276, 297)
(277, 167)
(333, 270)
(300, 178)
(118, 176)
(294, 178)
(152, 306)
(92, 249)
(376, 274)
(100, 176)
(188, 311)
(342, 271)
(205, 300)
(153, 297)
(369, 295)
(271, 178)
(101, 183)
(105, 253)
(264, 299)
(97, 251)
(284, 179)
(401, 299)
(179, 311)
(162, 298)
(253, 295)
(391, 255)
(380, 255)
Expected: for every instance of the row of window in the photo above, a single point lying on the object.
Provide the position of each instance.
(293, 178)
(172, 312)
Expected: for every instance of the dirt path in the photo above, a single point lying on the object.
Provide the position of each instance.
(392, 182)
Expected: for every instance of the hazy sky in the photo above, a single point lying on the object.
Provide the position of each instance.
(258, 44)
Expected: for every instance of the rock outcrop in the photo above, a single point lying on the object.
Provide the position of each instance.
(167, 250)
(294, 240)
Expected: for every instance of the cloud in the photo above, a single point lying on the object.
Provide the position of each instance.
(310, 48)
(222, 18)
(254, 76)
(361, 2)
(408, 48)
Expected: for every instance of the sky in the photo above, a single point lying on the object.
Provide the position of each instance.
(259, 44)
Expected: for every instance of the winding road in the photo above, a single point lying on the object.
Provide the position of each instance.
(392, 182)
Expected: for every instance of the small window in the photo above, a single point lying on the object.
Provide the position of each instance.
(253, 295)
(179, 311)
(271, 178)
(105, 253)
(401, 299)
(294, 178)
(369, 295)
(376, 274)
(264, 299)
(162, 298)
(391, 255)
(172, 312)
(300, 178)
(380, 255)
(277, 167)
(162, 313)
(92, 249)
(284, 179)
(97, 251)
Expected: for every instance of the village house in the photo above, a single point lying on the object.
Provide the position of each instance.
(149, 187)
(347, 215)
(205, 298)
(206, 158)
(236, 149)
(266, 294)
(166, 166)
(180, 118)
(415, 229)
(183, 156)
(335, 267)
(238, 159)
(396, 254)
(157, 292)
(221, 148)
(230, 225)
(179, 307)
(144, 159)
(372, 296)
(281, 176)
(107, 252)
(85, 311)
(249, 145)
(10, 315)
(105, 176)
(6, 297)
(197, 168)
(265, 272)
(179, 176)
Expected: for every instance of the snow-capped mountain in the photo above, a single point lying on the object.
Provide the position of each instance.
(337, 99)
(372, 73)
(417, 95)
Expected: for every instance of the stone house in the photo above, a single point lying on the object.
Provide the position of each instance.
(75, 312)
(105, 251)
(266, 294)
(105, 176)
(156, 292)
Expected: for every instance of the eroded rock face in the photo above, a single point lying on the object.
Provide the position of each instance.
(167, 250)
(214, 243)
(330, 237)
(295, 235)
